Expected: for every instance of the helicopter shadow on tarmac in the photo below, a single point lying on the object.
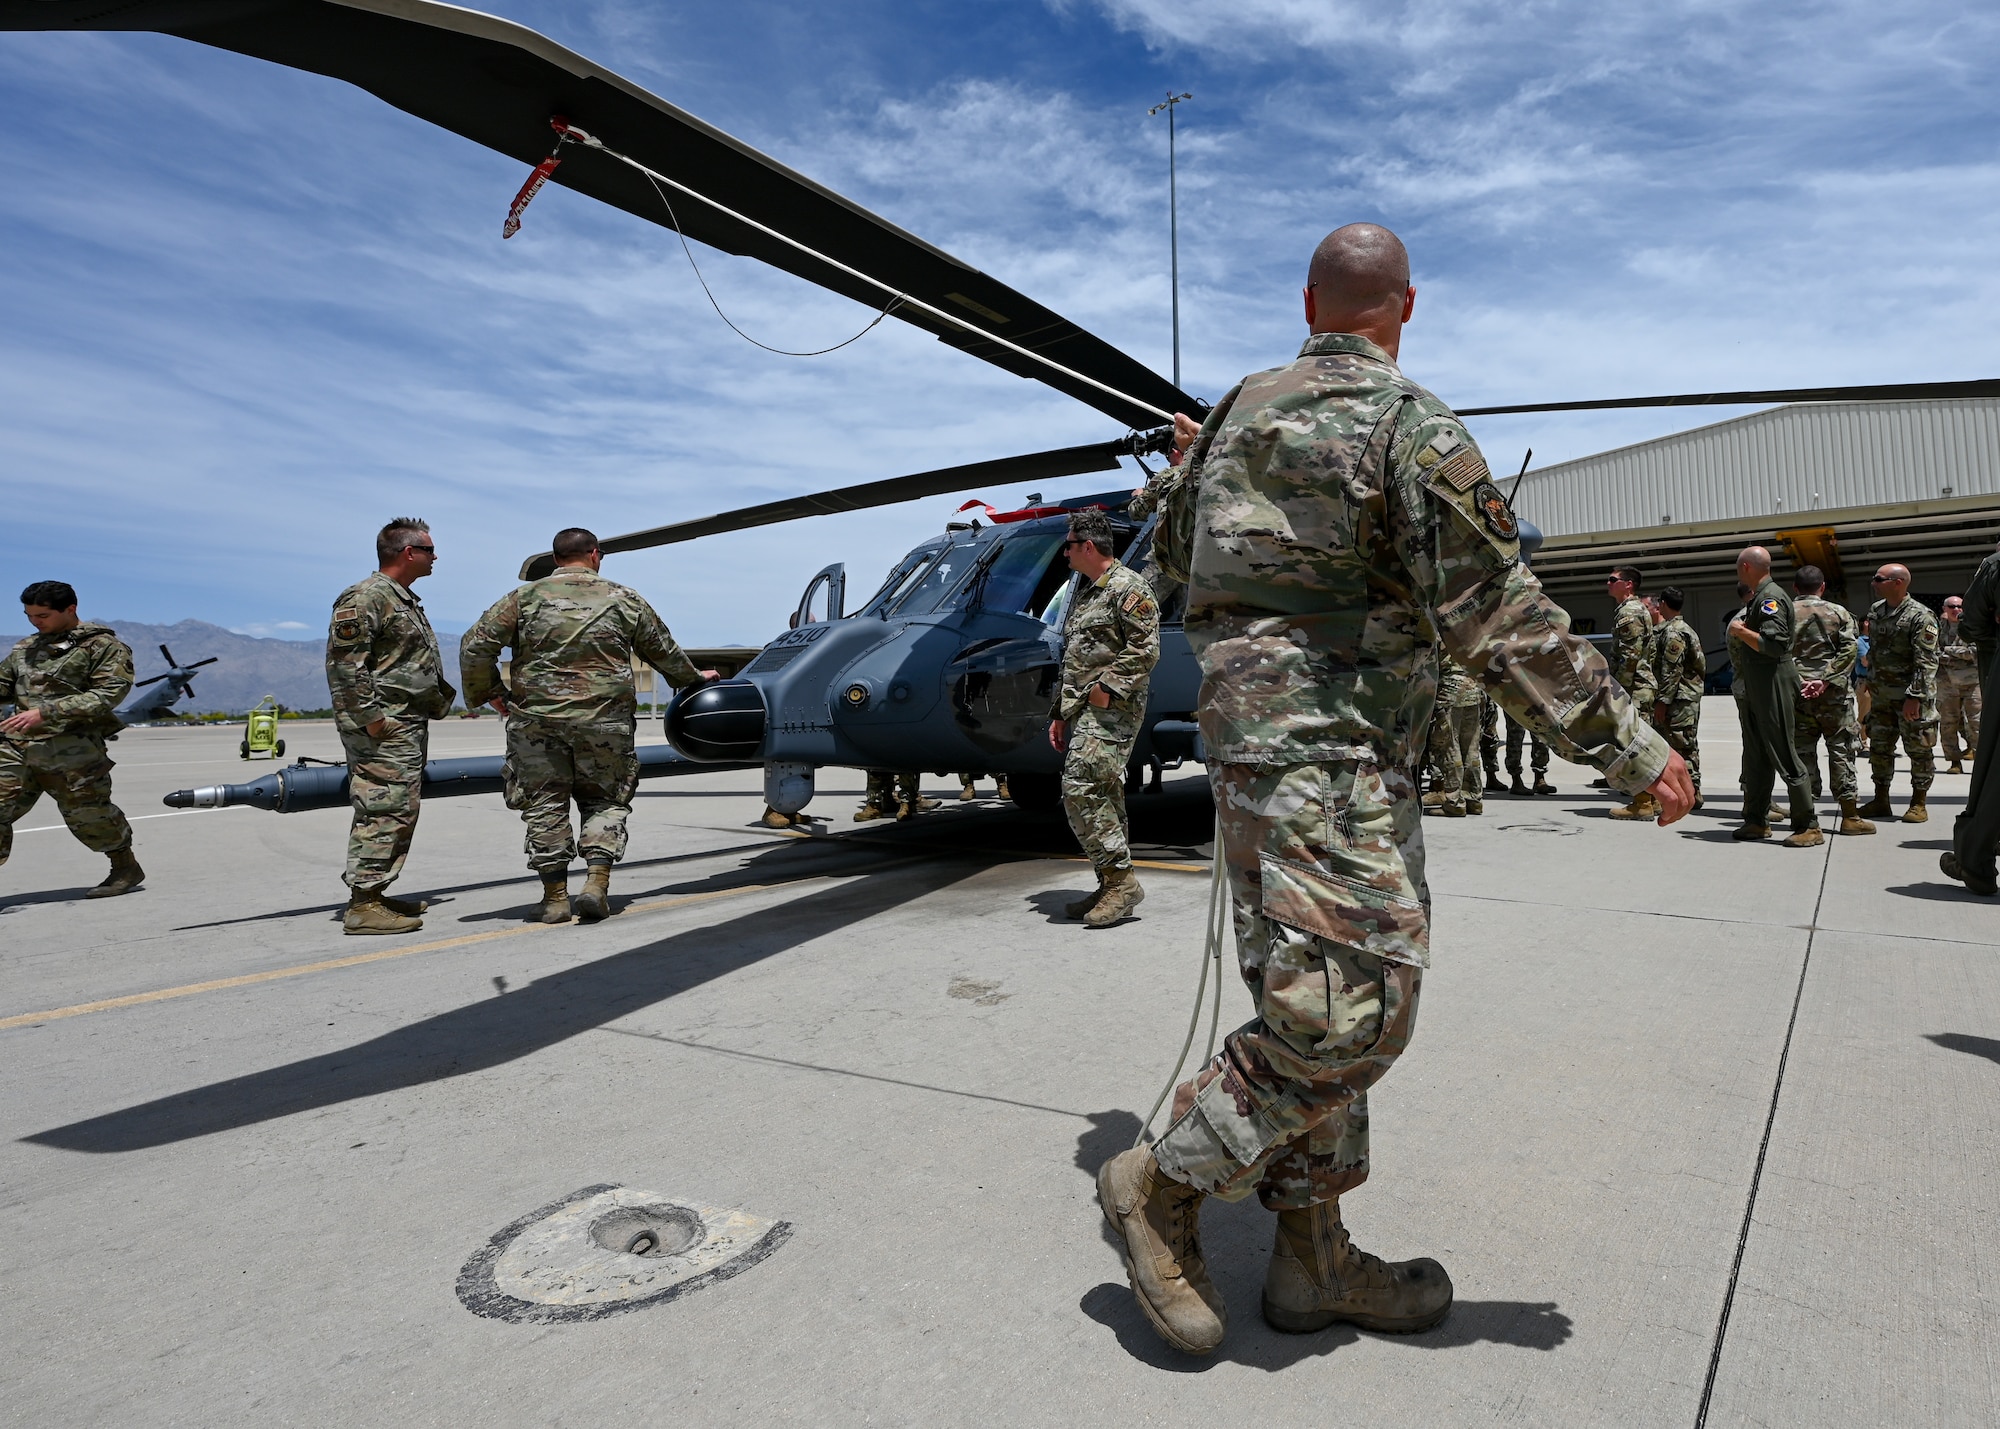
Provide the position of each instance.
(497, 1030)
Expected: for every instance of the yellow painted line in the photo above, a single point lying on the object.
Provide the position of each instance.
(384, 955)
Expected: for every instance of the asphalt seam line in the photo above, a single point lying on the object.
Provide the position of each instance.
(1763, 1149)
(388, 954)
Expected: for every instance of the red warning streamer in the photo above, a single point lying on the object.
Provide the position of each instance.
(536, 179)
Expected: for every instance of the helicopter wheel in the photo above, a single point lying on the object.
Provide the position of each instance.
(244, 749)
(281, 749)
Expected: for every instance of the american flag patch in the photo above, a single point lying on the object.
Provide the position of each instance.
(1463, 471)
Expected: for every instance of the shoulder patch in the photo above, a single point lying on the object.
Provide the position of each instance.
(1495, 512)
(1437, 449)
(1769, 607)
(1462, 471)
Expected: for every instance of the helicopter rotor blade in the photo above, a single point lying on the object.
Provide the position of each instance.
(199, 663)
(140, 685)
(1874, 392)
(1032, 466)
(500, 84)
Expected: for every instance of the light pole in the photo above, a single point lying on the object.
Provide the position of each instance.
(1173, 220)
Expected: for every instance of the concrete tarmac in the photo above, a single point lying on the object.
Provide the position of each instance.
(245, 1157)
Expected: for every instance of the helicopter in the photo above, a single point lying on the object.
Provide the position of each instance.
(171, 687)
(948, 665)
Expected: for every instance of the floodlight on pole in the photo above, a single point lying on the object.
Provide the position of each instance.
(1173, 220)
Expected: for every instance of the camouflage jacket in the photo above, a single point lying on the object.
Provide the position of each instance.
(1680, 666)
(1958, 662)
(1826, 641)
(382, 657)
(75, 678)
(1457, 690)
(1328, 510)
(1903, 651)
(1632, 649)
(573, 634)
(1111, 637)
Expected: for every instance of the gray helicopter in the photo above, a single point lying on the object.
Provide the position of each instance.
(168, 690)
(949, 664)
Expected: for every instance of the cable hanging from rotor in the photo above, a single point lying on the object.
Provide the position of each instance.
(568, 134)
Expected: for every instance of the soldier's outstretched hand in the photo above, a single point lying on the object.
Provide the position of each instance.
(1674, 789)
(1186, 429)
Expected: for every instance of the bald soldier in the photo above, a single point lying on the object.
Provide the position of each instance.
(1902, 659)
(1328, 517)
(1765, 630)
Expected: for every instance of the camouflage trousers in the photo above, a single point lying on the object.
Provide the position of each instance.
(1093, 784)
(887, 790)
(1682, 731)
(553, 762)
(385, 784)
(1454, 747)
(1326, 877)
(1489, 736)
(1538, 753)
(1887, 723)
(1830, 715)
(1958, 719)
(75, 771)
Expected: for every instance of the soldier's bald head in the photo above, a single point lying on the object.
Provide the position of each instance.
(1754, 558)
(1356, 271)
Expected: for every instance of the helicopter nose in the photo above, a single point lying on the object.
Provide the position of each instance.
(719, 722)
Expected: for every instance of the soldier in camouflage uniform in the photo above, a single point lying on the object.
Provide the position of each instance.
(1489, 743)
(387, 681)
(1111, 641)
(1331, 513)
(1454, 740)
(1632, 661)
(1538, 759)
(64, 683)
(1825, 642)
(571, 712)
(1680, 670)
(1957, 688)
(1903, 662)
(892, 796)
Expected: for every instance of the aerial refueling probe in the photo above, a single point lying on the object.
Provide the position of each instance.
(302, 786)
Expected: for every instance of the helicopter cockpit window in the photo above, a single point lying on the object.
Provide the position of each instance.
(927, 591)
(900, 580)
(1024, 572)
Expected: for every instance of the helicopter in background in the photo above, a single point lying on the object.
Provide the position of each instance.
(170, 688)
(950, 664)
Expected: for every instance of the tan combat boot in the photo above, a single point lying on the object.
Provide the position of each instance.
(1121, 895)
(1543, 786)
(1954, 768)
(867, 814)
(1159, 1221)
(1643, 806)
(367, 913)
(594, 902)
(1000, 789)
(1450, 809)
(1433, 801)
(1917, 813)
(1851, 821)
(1475, 806)
(125, 875)
(555, 897)
(1317, 1277)
(1078, 907)
(774, 820)
(1878, 807)
(966, 791)
(1749, 833)
(1807, 837)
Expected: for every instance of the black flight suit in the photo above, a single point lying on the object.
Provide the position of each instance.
(1977, 830)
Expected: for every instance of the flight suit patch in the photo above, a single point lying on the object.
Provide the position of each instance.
(346, 623)
(1769, 607)
(1495, 512)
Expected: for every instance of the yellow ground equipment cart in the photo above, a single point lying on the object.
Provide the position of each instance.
(260, 740)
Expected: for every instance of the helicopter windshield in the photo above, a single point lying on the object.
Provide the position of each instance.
(1015, 579)
(900, 580)
(926, 591)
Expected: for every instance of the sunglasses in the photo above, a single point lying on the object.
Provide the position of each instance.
(427, 550)
(1882, 580)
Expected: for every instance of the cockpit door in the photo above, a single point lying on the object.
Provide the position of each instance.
(834, 579)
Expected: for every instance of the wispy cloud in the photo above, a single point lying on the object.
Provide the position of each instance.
(252, 313)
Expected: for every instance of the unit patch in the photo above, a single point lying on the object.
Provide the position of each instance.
(1463, 471)
(1135, 602)
(346, 623)
(1495, 512)
(1769, 607)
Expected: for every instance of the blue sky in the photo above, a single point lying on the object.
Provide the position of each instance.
(247, 314)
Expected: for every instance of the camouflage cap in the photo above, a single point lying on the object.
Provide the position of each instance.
(1091, 524)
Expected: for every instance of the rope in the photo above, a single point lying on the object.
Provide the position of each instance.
(1211, 958)
(675, 223)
